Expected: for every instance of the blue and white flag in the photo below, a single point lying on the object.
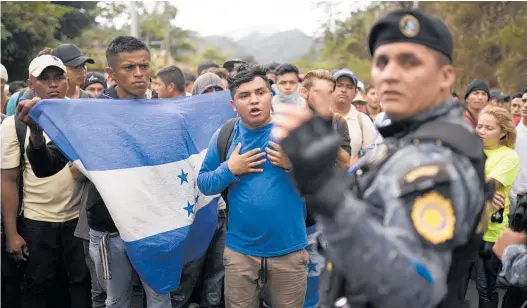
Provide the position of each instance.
(314, 268)
(144, 157)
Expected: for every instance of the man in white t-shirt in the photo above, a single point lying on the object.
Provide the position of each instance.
(361, 129)
(46, 244)
(520, 186)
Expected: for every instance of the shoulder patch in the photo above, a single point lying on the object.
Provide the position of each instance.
(421, 172)
(423, 178)
(433, 217)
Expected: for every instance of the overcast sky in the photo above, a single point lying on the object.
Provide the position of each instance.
(213, 17)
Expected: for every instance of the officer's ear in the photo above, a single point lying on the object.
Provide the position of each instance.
(447, 76)
(447, 71)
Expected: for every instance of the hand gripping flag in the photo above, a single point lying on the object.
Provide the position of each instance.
(144, 157)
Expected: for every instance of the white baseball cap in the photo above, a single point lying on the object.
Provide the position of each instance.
(3, 73)
(39, 64)
(360, 85)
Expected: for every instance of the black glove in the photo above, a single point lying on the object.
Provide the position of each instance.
(312, 149)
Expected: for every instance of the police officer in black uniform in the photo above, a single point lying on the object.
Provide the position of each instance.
(402, 229)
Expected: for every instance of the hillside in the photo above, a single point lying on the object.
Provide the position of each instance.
(280, 47)
(284, 46)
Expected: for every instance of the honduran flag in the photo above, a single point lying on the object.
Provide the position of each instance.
(314, 268)
(144, 157)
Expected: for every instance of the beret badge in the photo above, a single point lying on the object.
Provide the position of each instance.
(409, 26)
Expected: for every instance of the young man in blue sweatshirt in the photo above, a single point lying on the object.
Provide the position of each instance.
(266, 234)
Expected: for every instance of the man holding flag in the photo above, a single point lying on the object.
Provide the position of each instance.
(129, 65)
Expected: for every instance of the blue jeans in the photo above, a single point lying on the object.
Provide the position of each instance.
(119, 287)
(203, 278)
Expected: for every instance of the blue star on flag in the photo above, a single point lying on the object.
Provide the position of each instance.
(312, 267)
(189, 208)
(183, 177)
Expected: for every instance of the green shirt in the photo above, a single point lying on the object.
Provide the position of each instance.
(502, 165)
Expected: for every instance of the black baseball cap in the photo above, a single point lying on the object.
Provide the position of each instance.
(71, 55)
(94, 77)
(229, 64)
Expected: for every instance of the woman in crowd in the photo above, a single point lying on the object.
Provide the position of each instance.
(206, 83)
(502, 166)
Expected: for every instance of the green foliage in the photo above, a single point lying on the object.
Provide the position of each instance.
(27, 28)
(489, 40)
(345, 46)
(155, 24)
(210, 54)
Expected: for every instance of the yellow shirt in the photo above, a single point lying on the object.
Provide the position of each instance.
(52, 199)
(503, 165)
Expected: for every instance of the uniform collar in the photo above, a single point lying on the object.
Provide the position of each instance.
(399, 128)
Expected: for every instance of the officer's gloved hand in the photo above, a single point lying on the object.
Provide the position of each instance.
(312, 149)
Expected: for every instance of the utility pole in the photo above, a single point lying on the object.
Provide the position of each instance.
(167, 46)
(135, 21)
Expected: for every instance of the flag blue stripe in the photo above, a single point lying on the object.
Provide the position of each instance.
(160, 258)
(313, 282)
(111, 135)
(169, 132)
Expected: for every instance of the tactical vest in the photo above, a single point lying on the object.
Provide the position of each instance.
(459, 140)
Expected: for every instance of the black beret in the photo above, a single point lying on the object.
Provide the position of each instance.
(413, 26)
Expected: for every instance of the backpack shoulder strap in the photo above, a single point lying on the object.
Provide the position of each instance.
(21, 132)
(225, 137)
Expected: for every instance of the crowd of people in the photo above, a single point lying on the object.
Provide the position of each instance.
(61, 248)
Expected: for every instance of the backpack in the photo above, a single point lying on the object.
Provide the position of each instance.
(21, 132)
(225, 137)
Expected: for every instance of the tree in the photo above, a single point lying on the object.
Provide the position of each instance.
(213, 54)
(156, 30)
(489, 41)
(79, 17)
(27, 27)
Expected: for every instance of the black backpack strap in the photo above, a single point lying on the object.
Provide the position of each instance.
(21, 132)
(225, 137)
